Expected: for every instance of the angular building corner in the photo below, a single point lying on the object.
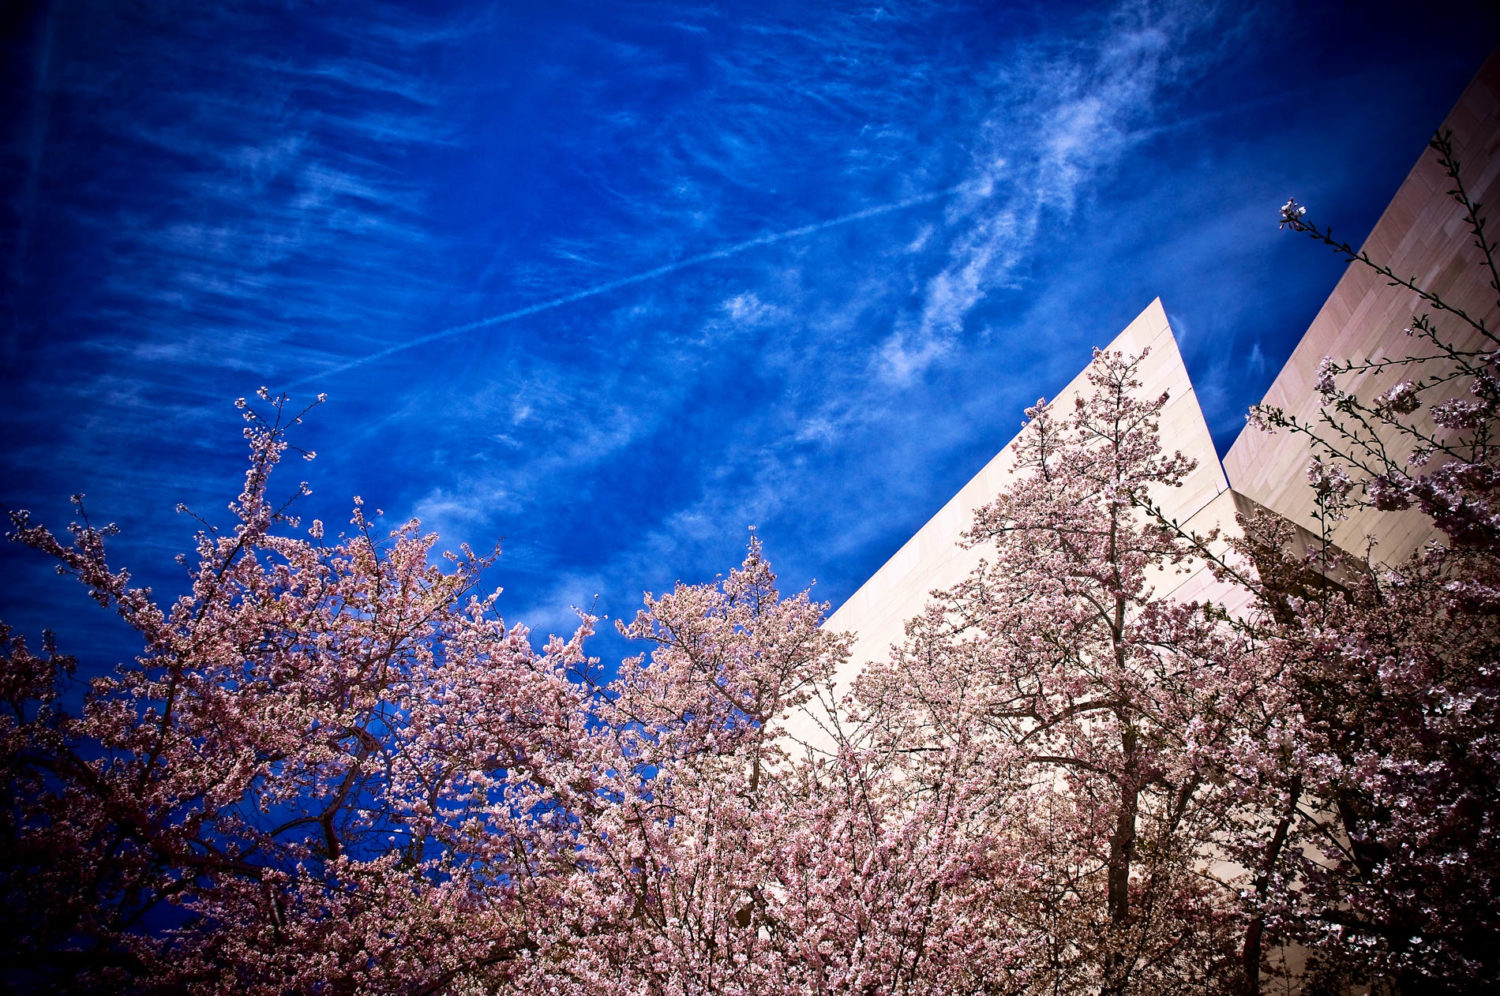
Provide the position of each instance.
(1420, 233)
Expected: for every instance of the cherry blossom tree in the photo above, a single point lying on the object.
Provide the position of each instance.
(331, 766)
(1079, 716)
(1383, 855)
(731, 863)
(1376, 844)
(684, 864)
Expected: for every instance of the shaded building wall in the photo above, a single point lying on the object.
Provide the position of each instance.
(1421, 234)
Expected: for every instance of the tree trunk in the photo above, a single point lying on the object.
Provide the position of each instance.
(1255, 933)
(1121, 852)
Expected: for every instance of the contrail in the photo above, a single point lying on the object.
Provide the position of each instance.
(605, 288)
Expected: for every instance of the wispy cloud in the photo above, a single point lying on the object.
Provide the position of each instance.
(1060, 120)
(203, 208)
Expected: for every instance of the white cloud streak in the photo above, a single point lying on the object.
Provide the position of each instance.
(655, 273)
(1061, 122)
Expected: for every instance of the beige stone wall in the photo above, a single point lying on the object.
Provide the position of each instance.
(1421, 234)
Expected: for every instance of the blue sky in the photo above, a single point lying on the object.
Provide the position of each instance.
(614, 282)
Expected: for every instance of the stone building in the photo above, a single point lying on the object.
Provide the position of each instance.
(1422, 233)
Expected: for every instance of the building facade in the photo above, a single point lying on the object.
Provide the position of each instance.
(1422, 233)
